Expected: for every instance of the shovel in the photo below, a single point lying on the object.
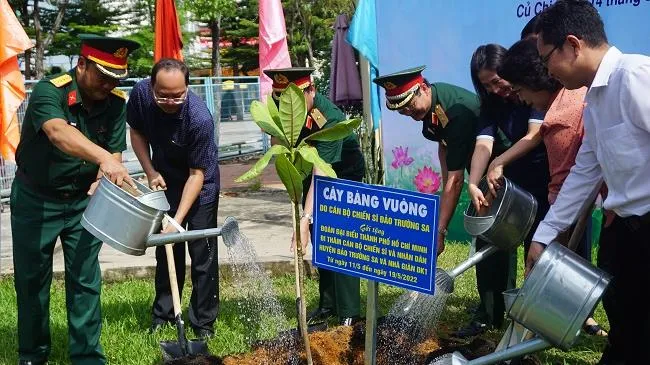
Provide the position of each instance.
(183, 347)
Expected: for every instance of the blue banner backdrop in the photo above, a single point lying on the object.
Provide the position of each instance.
(443, 35)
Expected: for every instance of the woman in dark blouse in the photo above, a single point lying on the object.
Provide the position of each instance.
(507, 144)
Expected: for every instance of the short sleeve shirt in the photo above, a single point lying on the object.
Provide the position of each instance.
(531, 170)
(562, 132)
(344, 154)
(461, 108)
(40, 160)
(179, 142)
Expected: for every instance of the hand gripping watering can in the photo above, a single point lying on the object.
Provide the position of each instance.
(131, 223)
(127, 219)
(555, 300)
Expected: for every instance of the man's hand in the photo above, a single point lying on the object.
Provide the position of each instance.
(494, 176)
(441, 243)
(305, 236)
(93, 187)
(534, 252)
(156, 181)
(115, 171)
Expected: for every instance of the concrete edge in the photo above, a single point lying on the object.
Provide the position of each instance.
(273, 267)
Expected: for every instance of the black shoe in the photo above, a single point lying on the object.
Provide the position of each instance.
(319, 315)
(157, 325)
(348, 321)
(474, 328)
(203, 333)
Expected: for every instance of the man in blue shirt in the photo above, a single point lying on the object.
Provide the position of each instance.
(176, 123)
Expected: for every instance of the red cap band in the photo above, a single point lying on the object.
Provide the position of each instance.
(393, 90)
(279, 85)
(115, 60)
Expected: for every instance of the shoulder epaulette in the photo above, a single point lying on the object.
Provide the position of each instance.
(318, 117)
(62, 80)
(119, 93)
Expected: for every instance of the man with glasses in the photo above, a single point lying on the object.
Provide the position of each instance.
(73, 133)
(615, 149)
(175, 123)
(449, 116)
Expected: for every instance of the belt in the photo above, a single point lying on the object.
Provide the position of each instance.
(635, 222)
(52, 193)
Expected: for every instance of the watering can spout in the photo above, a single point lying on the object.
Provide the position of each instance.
(161, 239)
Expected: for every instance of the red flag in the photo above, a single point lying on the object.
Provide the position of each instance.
(13, 41)
(168, 42)
(274, 51)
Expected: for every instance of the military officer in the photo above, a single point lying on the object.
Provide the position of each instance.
(339, 293)
(72, 134)
(449, 116)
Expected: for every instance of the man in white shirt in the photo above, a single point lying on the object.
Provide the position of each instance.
(616, 149)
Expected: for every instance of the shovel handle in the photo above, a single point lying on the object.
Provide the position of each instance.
(131, 190)
(171, 267)
(173, 283)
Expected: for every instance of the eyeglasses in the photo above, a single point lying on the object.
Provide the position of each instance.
(172, 101)
(548, 56)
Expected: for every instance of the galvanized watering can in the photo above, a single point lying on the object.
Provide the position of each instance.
(508, 220)
(554, 301)
(131, 223)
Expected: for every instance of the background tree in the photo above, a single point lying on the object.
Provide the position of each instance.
(242, 30)
(45, 35)
(212, 12)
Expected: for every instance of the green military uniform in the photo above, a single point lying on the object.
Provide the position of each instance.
(452, 120)
(48, 198)
(339, 293)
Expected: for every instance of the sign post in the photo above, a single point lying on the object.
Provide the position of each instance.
(377, 233)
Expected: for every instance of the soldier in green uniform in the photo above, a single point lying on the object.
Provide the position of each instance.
(449, 116)
(73, 132)
(339, 293)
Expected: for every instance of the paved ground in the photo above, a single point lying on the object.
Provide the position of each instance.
(261, 208)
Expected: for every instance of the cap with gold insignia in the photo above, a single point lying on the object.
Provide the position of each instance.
(282, 77)
(400, 86)
(110, 54)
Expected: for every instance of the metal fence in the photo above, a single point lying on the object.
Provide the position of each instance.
(228, 99)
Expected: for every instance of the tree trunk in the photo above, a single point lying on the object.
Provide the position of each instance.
(300, 283)
(28, 53)
(215, 28)
(43, 43)
(305, 19)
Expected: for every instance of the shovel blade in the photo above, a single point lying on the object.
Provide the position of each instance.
(173, 350)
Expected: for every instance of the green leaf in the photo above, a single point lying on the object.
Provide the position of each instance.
(303, 166)
(293, 112)
(273, 111)
(263, 118)
(310, 154)
(339, 131)
(260, 165)
(290, 177)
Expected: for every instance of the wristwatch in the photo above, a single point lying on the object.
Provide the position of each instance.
(442, 231)
(308, 216)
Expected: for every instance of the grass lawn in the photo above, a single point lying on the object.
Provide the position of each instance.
(126, 311)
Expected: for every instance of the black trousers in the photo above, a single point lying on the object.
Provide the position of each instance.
(204, 302)
(625, 253)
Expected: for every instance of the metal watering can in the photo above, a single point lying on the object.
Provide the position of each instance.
(130, 221)
(554, 301)
(509, 218)
(127, 219)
